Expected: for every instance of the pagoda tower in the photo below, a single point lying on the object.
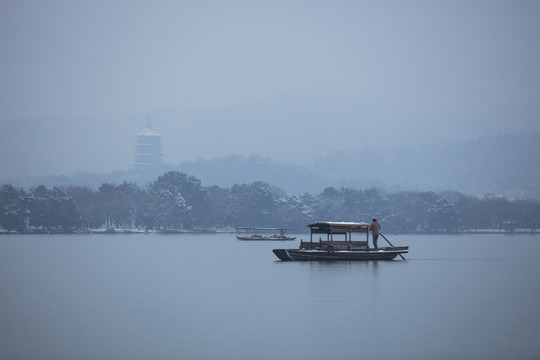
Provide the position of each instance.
(148, 154)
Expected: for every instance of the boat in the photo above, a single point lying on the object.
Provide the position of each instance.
(260, 237)
(332, 249)
(280, 237)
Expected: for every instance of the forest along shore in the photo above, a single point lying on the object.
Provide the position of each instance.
(176, 202)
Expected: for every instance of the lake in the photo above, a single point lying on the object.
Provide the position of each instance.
(214, 297)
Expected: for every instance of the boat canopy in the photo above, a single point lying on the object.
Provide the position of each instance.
(332, 227)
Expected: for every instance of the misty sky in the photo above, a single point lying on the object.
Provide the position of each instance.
(289, 80)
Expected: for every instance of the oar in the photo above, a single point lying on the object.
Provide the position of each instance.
(388, 241)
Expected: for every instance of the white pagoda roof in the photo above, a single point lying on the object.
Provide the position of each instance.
(148, 132)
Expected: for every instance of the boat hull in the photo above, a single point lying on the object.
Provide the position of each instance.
(321, 255)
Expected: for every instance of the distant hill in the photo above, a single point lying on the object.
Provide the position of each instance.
(506, 165)
(229, 170)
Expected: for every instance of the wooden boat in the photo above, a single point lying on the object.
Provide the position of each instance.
(280, 237)
(332, 250)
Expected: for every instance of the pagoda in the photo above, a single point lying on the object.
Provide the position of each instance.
(148, 154)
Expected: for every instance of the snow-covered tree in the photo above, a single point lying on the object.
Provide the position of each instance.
(52, 209)
(13, 208)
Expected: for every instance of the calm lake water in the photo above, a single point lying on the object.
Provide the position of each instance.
(214, 297)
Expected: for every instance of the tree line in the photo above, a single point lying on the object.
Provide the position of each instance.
(178, 201)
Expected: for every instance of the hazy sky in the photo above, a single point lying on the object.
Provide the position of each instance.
(290, 80)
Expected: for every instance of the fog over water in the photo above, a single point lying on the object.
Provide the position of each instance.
(377, 91)
(288, 80)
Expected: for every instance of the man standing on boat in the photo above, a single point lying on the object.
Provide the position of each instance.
(375, 227)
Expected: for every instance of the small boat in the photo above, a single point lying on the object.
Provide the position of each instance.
(260, 237)
(347, 249)
(280, 237)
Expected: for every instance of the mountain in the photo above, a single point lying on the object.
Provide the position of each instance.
(507, 165)
(229, 170)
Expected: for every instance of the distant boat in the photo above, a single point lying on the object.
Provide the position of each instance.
(332, 250)
(280, 237)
